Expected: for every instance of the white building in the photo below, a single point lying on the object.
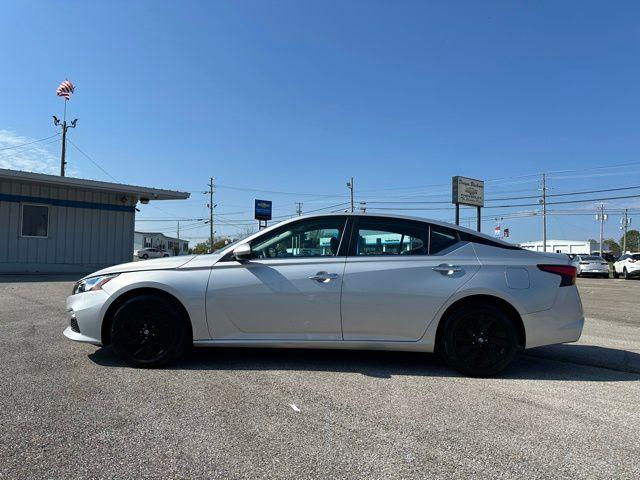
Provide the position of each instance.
(173, 246)
(563, 246)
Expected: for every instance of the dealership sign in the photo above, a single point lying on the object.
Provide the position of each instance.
(467, 191)
(262, 210)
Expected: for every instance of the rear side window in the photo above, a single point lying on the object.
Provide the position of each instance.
(381, 236)
(441, 239)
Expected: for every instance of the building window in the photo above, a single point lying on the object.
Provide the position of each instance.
(147, 242)
(35, 221)
(185, 247)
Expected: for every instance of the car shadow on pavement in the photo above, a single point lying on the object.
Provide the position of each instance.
(561, 364)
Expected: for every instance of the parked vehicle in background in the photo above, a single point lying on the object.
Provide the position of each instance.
(591, 265)
(337, 281)
(627, 266)
(150, 252)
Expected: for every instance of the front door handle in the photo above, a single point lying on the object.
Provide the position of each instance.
(323, 277)
(447, 269)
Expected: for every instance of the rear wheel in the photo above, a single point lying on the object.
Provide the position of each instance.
(149, 331)
(625, 274)
(615, 273)
(479, 340)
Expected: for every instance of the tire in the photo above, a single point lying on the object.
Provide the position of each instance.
(479, 340)
(615, 274)
(145, 256)
(165, 255)
(625, 274)
(149, 331)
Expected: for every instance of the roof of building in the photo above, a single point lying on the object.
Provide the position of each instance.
(540, 242)
(163, 234)
(142, 193)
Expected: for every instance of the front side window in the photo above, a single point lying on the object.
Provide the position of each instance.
(318, 237)
(35, 221)
(379, 236)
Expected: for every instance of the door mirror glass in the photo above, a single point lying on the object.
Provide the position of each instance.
(242, 252)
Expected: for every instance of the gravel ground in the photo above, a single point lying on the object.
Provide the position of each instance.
(74, 411)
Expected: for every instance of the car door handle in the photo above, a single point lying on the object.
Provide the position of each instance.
(323, 277)
(448, 269)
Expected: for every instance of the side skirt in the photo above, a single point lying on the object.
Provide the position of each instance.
(336, 345)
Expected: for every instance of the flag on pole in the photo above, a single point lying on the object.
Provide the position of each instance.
(65, 89)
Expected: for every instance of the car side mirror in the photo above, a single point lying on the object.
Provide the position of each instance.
(242, 252)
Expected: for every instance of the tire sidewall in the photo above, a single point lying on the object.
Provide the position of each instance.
(448, 340)
(177, 325)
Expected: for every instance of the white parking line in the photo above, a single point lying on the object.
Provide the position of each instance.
(295, 409)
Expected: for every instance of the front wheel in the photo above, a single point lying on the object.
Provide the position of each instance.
(479, 340)
(625, 274)
(149, 331)
(615, 273)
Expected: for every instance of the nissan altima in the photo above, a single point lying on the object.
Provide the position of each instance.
(354, 281)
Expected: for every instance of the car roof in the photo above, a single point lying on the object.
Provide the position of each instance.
(391, 216)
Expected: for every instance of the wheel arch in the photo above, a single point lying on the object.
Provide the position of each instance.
(501, 303)
(113, 308)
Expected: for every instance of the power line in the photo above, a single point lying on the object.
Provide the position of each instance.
(92, 160)
(29, 143)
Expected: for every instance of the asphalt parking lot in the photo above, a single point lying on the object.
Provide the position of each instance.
(74, 411)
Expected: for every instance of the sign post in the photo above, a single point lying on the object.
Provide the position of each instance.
(467, 191)
(262, 212)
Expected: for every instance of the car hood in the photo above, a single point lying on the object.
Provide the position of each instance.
(166, 263)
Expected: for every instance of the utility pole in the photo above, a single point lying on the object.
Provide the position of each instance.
(211, 207)
(601, 216)
(65, 127)
(298, 208)
(625, 224)
(544, 212)
(350, 186)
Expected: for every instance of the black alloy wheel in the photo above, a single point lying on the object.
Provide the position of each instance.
(149, 331)
(479, 340)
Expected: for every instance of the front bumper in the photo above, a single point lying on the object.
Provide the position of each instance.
(88, 310)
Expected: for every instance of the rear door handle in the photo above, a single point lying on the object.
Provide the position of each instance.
(323, 277)
(447, 269)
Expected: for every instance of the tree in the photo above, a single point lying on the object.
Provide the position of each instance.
(633, 241)
(203, 247)
(611, 245)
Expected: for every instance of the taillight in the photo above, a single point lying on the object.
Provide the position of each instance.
(567, 273)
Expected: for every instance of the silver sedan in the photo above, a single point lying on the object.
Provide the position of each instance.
(337, 281)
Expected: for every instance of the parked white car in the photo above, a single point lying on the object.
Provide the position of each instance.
(337, 281)
(628, 265)
(145, 253)
(591, 265)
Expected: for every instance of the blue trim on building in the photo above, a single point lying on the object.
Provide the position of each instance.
(66, 203)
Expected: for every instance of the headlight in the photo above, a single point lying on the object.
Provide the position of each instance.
(92, 283)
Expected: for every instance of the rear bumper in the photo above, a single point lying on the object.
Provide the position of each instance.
(561, 323)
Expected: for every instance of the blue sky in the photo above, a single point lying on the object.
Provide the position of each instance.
(299, 96)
